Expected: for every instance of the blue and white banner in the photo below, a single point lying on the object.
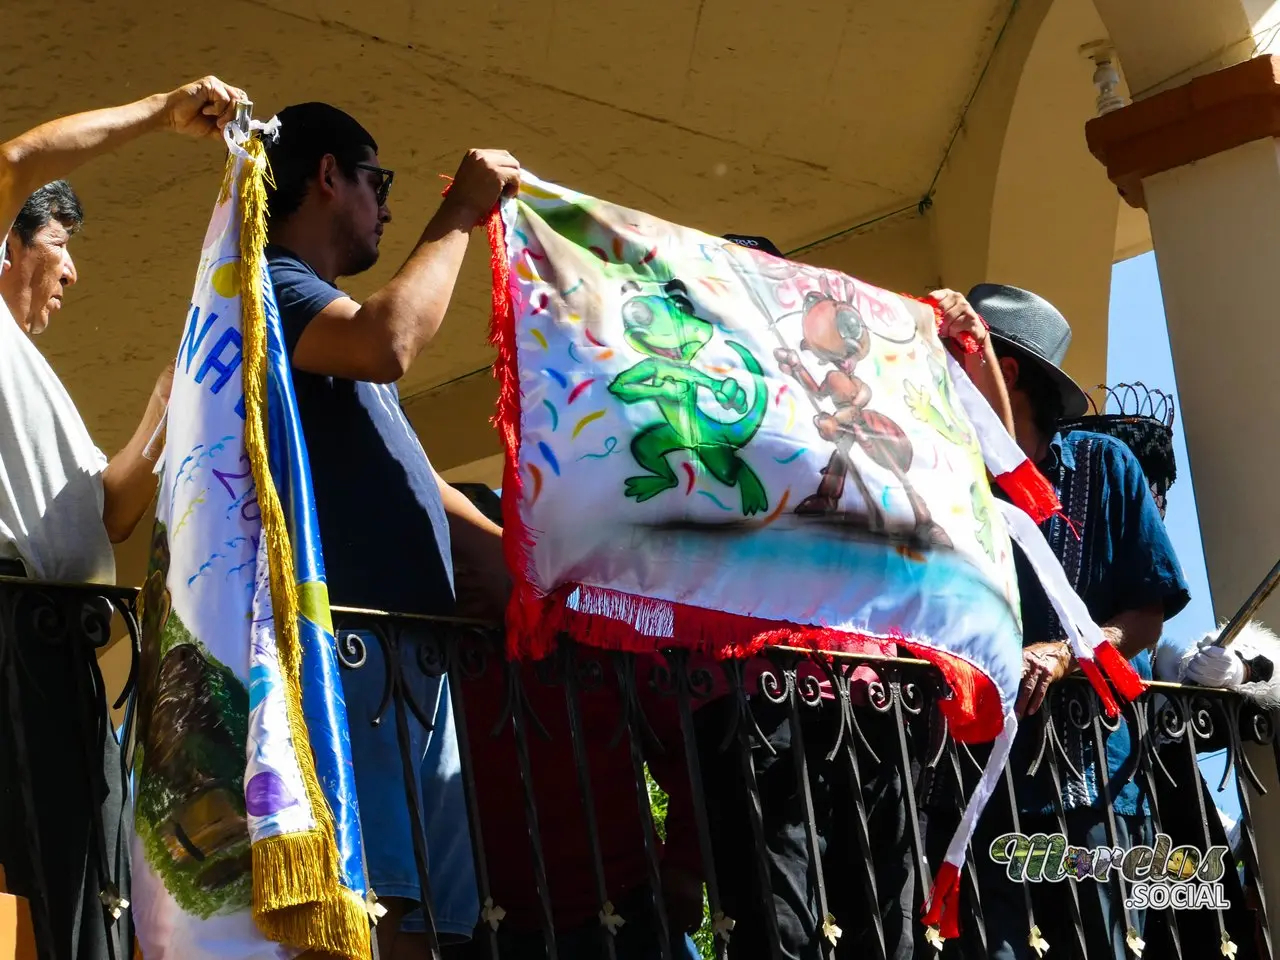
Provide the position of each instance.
(248, 842)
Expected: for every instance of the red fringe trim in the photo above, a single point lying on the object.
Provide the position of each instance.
(1119, 671)
(1094, 673)
(524, 609)
(943, 909)
(973, 712)
(1031, 491)
(623, 621)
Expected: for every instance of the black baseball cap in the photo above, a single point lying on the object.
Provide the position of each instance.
(755, 243)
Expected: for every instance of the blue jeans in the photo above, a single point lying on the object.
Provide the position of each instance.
(384, 814)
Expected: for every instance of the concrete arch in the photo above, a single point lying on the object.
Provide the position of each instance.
(1022, 201)
(1054, 212)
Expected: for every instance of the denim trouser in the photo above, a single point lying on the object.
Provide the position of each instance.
(384, 814)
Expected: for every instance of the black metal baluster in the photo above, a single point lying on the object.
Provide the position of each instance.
(887, 696)
(792, 697)
(839, 673)
(352, 654)
(1188, 723)
(632, 722)
(519, 724)
(683, 683)
(460, 667)
(1106, 800)
(128, 694)
(10, 599)
(972, 884)
(1248, 839)
(569, 666)
(1148, 760)
(739, 734)
(1062, 698)
(127, 606)
(91, 695)
(1011, 798)
(412, 772)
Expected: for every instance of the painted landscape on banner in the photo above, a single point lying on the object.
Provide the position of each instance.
(247, 839)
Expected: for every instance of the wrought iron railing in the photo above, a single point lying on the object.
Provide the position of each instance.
(54, 714)
(847, 727)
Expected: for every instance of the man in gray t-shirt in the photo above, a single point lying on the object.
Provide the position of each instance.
(64, 821)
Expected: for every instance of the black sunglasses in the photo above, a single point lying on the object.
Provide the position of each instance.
(384, 181)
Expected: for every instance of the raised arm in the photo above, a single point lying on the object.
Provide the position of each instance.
(983, 367)
(378, 340)
(52, 150)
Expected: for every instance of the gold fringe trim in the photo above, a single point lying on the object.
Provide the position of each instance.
(289, 870)
(297, 896)
(323, 927)
(228, 177)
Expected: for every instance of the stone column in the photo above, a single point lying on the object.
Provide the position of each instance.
(1203, 160)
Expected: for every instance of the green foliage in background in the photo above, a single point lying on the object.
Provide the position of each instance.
(703, 937)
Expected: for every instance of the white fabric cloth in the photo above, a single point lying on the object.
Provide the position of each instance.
(51, 492)
(1082, 633)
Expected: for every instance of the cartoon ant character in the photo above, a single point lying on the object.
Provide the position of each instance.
(834, 332)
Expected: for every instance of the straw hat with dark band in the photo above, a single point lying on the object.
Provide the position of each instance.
(1033, 330)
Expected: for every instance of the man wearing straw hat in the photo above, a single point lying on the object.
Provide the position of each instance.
(62, 505)
(1117, 555)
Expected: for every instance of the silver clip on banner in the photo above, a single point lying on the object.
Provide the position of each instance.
(243, 117)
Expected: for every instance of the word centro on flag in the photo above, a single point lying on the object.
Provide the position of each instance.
(1049, 858)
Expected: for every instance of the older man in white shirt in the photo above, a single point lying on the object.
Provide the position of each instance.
(64, 819)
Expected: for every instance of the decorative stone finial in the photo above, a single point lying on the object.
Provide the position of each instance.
(1105, 75)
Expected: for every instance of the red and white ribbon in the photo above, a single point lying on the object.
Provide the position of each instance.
(943, 907)
(1017, 476)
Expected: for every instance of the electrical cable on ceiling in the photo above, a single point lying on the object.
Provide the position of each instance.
(926, 201)
(920, 206)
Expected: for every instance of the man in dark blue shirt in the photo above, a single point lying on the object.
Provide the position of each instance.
(389, 525)
(1116, 553)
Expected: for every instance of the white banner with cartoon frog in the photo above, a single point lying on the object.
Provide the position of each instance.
(715, 427)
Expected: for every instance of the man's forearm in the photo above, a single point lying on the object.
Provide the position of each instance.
(412, 305)
(52, 150)
(1135, 630)
(477, 543)
(983, 369)
(129, 482)
(473, 534)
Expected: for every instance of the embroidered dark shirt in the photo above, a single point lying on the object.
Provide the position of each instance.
(1122, 560)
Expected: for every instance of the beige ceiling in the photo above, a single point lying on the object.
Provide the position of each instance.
(787, 119)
